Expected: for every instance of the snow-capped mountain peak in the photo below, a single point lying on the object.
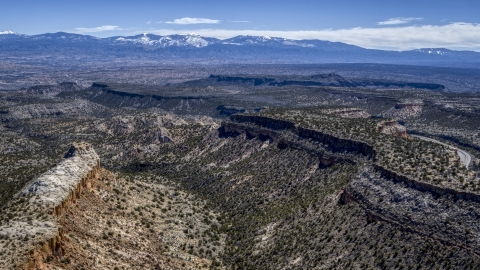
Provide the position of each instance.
(259, 48)
(8, 32)
(439, 51)
(183, 40)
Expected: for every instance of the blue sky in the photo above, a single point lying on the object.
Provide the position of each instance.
(386, 24)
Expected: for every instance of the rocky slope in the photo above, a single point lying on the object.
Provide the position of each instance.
(79, 216)
(284, 189)
(53, 89)
(404, 110)
(64, 108)
(392, 128)
(444, 215)
(36, 228)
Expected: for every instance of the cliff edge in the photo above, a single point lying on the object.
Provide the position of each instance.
(31, 225)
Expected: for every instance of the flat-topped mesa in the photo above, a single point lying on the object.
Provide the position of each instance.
(61, 185)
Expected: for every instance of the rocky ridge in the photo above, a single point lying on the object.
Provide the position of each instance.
(385, 195)
(446, 215)
(48, 109)
(404, 110)
(36, 230)
(53, 89)
(81, 162)
(393, 128)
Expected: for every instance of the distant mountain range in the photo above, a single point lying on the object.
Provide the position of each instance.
(196, 48)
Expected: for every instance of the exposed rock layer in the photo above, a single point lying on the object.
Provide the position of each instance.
(444, 214)
(393, 128)
(50, 193)
(404, 110)
(335, 144)
(56, 185)
(62, 186)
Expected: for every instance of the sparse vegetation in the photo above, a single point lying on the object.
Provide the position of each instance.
(176, 188)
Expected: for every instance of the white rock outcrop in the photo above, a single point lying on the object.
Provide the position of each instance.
(55, 185)
(35, 230)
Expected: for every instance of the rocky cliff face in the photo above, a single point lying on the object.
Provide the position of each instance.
(446, 215)
(337, 144)
(404, 110)
(443, 214)
(266, 122)
(236, 128)
(36, 230)
(54, 187)
(392, 128)
(229, 110)
(271, 128)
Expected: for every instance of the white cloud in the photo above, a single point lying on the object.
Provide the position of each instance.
(98, 29)
(240, 21)
(188, 20)
(399, 20)
(149, 22)
(464, 36)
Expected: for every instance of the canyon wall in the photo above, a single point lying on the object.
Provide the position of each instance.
(392, 128)
(80, 165)
(49, 194)
(447, 215)
(263, 121)
(272, 129)
(422, 186)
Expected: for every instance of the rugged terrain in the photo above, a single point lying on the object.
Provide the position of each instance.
(243, 172)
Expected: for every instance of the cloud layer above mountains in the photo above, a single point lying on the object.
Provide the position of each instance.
(458, 35)
(188, 20)
(399, 20)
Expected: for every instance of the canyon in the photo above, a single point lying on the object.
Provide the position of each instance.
(232, 172)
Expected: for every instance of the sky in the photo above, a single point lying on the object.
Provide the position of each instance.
(385, 24)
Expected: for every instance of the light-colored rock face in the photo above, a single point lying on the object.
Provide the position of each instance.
(405, 110)
(34, 228)
(55, 185)
(392, 128)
